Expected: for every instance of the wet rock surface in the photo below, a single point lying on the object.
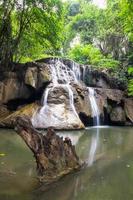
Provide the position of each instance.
(128, 106)
(117, 115)
(12, 88)
(67, 105)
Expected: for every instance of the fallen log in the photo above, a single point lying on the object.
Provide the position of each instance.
(54, 156)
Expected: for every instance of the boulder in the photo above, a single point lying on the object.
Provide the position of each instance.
(128, 107)
(37, 75)
(7, 119)
(4, 112)
(12, 88)
(58, 110)
(117, 115)
(31, 77)
(82, 102)
(111, 94)
(44, 75)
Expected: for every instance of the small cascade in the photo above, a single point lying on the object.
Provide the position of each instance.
(94, 107)
(62, 74)
(62, 77)
(96, 122)
(76, 70)
(45, 99)
(83, 73)
(71, 99)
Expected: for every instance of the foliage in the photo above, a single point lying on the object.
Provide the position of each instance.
(127, 17)
(88, 54)
(106, 36)
(29, 27)
(130, 82)
(32, 29)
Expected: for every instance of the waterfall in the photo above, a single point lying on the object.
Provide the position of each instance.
(71, 99)
(94, 107)
(96, 122)
(45, 100)
(62, 76)
(76, 70)
(83, 73)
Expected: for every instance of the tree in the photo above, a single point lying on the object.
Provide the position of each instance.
(88, 54)
(130, 81)
(22, 20)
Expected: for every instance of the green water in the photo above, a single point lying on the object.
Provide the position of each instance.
(108, 151)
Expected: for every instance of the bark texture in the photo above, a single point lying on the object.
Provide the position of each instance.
(54, 156)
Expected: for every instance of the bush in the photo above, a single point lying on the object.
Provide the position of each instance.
(130, 81)
(89, 54)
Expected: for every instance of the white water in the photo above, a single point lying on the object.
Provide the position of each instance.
(71, 99)
(94, 107)
(61, 73)
(84, 72)
(96, 122)
(45, 100)
(62, 76)
(76, 70)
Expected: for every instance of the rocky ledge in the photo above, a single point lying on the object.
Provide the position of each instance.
(31, 89)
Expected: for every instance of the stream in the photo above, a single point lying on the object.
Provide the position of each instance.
(108, 174)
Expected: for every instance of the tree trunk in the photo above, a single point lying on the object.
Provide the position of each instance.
(54, 156)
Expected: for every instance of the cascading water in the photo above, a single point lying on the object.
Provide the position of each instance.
(45, 99)
(76, 70)
(71, 99)
(83, 73)
(96, 122)
(94, 107)
(62, 76)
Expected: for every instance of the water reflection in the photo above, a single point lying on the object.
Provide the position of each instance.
(74, 135)
(109, 177)
(93, 147)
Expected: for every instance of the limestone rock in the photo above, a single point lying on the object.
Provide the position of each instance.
(118, 115)
(4, 112)
(31, 76)
(59, 112)
(37, 75)
(44, 75)
(128, 106)
(8, 119)
(111, 94)
(82, 102)
(12, 88)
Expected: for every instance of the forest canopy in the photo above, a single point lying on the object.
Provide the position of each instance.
(76, 29)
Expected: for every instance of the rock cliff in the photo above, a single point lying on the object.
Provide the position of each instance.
(57, 90)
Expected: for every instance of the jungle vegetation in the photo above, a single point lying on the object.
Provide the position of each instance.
(76, 29)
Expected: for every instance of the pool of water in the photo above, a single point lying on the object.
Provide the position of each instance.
(108, 152)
